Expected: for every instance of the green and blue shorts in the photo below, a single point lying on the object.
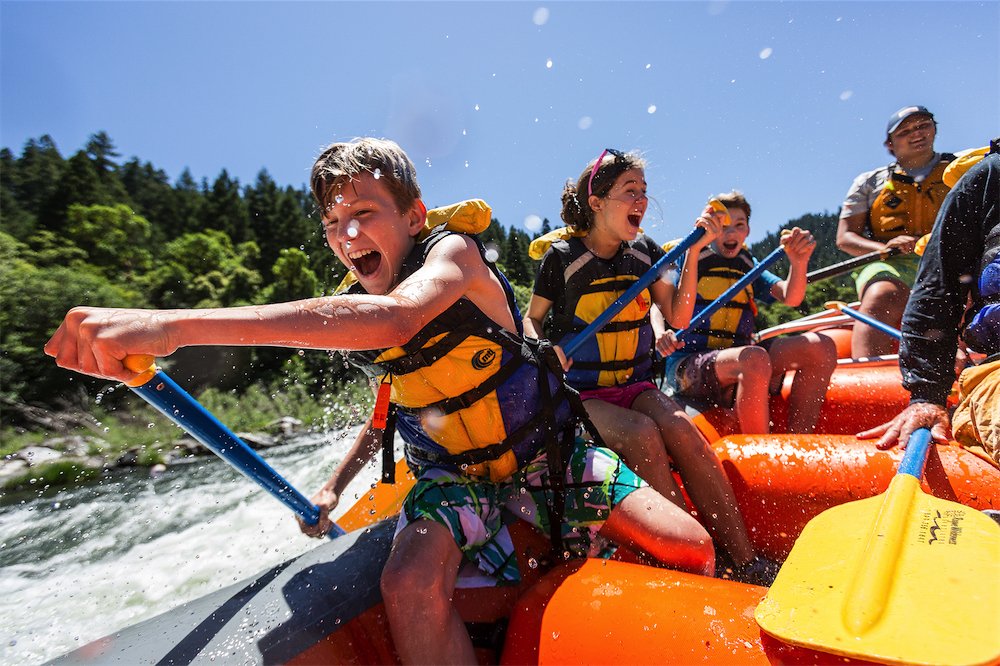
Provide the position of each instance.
(475, 510)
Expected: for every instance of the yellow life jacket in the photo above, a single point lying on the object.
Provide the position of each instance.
(622, 351)
(732, 325)
(905, 206)
(467, 394)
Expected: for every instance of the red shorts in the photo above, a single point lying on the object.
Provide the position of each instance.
(623, 396)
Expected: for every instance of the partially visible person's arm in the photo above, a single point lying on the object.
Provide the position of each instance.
(328, 497)
(799, 245)
(95, 341)
(676, 302)
(937, 304)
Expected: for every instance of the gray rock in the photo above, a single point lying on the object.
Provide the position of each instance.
(36, 455)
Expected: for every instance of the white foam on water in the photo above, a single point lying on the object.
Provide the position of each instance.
(82, 564)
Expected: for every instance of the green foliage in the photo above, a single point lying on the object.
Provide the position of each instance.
(115, 239)
(95, 230)
(34, 302)
(293, 279)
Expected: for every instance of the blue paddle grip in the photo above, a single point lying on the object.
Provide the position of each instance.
(874, 323)
(177, 405)
(647, 279)
(916, 453)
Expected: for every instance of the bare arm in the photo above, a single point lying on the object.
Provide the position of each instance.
(677, 304)
(538, 307)
(799, 245)
(327, 498)
(95, 340)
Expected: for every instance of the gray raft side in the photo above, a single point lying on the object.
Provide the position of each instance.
(266, 619)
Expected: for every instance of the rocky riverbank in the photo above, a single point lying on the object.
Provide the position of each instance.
(75, 458)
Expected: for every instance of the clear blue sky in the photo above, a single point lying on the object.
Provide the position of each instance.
(506, 100)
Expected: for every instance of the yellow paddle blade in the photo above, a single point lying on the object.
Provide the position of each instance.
(901, 578)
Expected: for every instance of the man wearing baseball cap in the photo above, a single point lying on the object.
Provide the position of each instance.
(889, 209)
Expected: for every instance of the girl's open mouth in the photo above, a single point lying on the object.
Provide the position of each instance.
(634, 219)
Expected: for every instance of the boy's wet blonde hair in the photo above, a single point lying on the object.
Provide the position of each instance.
(342, 161)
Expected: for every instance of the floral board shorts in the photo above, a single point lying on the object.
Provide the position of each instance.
(475, 510)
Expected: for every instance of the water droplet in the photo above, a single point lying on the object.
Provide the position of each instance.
(766, 52)
(548, 63)
(541, 16)
(491, 255)
(377, 174)
(651, 109)
(532, 563)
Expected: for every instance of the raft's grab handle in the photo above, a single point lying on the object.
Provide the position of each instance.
(156, 388)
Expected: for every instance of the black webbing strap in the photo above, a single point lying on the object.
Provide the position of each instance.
(388, 459)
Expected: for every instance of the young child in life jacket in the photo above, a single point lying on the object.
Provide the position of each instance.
(476, 404)
(719, 362)
(586, 267)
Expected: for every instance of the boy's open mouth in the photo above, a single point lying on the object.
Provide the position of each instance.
(365, 262)
(730, 246)
(634, 219)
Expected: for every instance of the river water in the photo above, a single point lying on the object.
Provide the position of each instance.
(78, 564)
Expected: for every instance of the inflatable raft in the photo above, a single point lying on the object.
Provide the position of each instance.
(325, 606)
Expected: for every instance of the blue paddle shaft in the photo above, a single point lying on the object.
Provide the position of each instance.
(177, 405)
(874, 323)
(916, 453)
(736, 288)
(647, 279)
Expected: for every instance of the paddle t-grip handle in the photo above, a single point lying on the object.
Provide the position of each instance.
(160, 391)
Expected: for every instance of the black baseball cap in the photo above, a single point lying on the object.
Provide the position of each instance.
(896, 119)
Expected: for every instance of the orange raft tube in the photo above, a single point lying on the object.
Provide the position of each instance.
(619, 611)
(325, 606)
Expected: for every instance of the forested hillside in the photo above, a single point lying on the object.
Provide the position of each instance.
(92, 229)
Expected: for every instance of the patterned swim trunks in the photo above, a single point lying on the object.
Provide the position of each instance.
(473, 509)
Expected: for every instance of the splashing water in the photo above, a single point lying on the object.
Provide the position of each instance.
(78, 564)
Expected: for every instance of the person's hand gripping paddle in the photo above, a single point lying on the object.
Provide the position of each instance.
(156, 388)
(671, 257)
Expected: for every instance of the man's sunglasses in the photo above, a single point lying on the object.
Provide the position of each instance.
(618, 155)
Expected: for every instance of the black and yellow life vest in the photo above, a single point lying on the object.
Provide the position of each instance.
(732, 325)
(476, 398)
(622, 351)
(905, 206)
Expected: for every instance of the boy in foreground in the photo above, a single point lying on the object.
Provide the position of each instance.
(719, 361)
(485, 414)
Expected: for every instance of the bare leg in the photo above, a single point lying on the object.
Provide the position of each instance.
(813, 358)
(636, 438)
(418, 582)
(750, 369)
(884, 300)
(704, 479)
(645, 520)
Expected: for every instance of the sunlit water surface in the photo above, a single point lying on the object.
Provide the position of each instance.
(78, 564)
